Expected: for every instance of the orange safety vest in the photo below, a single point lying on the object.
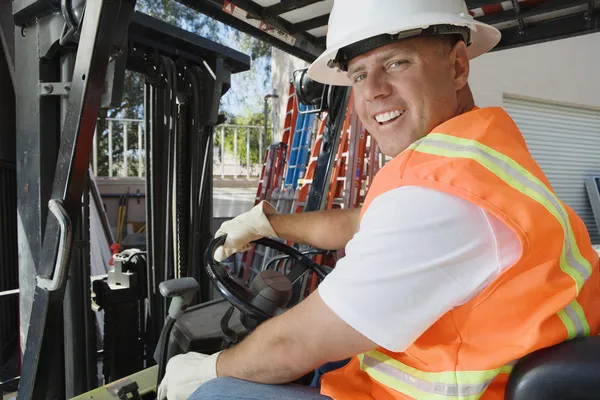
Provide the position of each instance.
(551, 294)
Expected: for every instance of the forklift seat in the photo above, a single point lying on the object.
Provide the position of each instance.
(567, 371)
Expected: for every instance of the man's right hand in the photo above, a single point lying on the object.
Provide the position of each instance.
(244, 229)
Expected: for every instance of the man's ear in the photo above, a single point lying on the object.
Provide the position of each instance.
(460, 63)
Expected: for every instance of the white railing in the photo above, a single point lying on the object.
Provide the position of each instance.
(127, 136)
(239, 151)
(118, 149)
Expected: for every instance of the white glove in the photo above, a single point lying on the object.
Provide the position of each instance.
(244, 229)
(185, 373)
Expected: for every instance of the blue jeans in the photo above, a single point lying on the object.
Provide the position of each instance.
(235, 389)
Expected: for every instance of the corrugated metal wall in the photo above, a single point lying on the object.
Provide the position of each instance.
(565, 141)
(9, 270)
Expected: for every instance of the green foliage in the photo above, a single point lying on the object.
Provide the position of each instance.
(256, 119)
(132, 105)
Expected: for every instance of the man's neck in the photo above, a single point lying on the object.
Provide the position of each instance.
(466, 102)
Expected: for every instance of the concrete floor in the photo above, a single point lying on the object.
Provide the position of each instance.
(233, 197)
(231, 202)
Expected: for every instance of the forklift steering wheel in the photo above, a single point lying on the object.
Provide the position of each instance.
(270, 295)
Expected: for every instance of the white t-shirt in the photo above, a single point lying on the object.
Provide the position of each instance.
(419, 253)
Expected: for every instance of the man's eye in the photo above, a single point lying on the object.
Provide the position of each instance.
(396, 64)
(359, 77)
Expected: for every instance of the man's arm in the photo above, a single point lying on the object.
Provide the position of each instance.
(405, 269)
(329, 230)
(287, 347)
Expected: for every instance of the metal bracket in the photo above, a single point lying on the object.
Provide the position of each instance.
(588, 15)
(64, 248)
(517, 8)
(54, 88)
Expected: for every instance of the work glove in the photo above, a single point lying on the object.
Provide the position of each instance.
(185, 373)
(244, 229)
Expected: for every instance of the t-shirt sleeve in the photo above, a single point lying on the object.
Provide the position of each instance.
(419, 253)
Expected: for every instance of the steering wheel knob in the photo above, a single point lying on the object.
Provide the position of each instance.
(271, 290)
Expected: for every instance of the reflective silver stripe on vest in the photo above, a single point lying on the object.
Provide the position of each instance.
(579, 328)
(439, 388)
(532, 185)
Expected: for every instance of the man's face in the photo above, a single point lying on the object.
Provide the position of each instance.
(405, 89)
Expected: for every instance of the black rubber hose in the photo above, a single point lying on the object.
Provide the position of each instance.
(163, 347)
(66, 8)
(182, 167)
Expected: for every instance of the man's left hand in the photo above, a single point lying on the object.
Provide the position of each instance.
(185, 373)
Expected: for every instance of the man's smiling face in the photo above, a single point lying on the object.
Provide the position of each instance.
(405, 89)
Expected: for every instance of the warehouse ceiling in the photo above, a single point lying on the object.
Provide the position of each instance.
(299, 26)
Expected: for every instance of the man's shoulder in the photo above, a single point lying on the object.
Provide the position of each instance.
(417, 202)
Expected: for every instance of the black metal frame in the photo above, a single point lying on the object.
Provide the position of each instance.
(306, 46)
(9, 272)
(43, 149)
(309, 47)
(45, 336)
(560, 28)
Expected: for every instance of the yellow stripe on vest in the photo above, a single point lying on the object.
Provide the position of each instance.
(513, 174)
(463, 385)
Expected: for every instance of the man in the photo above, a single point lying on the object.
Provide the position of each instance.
(460, 262)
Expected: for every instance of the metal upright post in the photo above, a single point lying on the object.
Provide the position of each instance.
(9, 274)
(261, 133)
(139, 152)
(110, 147)
(213, 90)
(43, 358)
(78, 286)
(152, 162)
(222, 152)
(125, 133)
(37, 141)
(235, 160)
(95, 151)
(247, 153)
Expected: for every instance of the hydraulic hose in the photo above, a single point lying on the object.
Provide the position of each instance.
(163, 348)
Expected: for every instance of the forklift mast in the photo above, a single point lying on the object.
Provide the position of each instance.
(70, 58)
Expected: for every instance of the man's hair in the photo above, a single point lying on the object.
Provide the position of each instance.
(447, 43)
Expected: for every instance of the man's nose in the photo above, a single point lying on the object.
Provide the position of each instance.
(376, 86)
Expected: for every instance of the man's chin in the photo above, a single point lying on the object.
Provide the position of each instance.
(393, 149)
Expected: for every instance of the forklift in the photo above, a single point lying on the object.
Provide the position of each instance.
(68, 59)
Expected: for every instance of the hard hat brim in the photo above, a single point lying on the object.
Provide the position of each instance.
(484, 37)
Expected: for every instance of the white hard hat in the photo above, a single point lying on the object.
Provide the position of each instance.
(354, 21)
